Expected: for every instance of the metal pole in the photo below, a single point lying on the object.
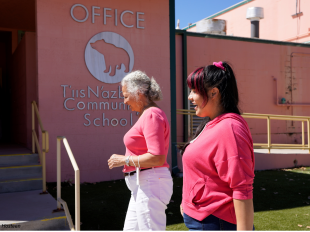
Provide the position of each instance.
(43, 162)
(185, 88)
(303, 133)
(174, 158)
(77, 200)
(58, 173)
(268, 133)
(33, 128)
(308, 132)
(255, 29)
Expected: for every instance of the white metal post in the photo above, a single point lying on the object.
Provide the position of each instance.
(58, 173)
(77, 200)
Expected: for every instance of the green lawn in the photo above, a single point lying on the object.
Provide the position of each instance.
(281, 202)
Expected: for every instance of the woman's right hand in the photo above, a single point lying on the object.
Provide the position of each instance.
(181, 210)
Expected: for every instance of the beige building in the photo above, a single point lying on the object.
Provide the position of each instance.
(283, 20)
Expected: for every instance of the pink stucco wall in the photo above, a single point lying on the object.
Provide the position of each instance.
(280, 159)
(24, 91)
(255, 65)
(278, 23)
(61, 45)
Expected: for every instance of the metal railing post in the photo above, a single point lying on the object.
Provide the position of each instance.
(77, 200)
(35, 143)
(33, 128)
(303, 133)
(58, 173)
(43, 161)
(308, 132)
(77, 185)
(268, 133)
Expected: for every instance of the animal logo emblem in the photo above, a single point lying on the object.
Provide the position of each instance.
(96, 58)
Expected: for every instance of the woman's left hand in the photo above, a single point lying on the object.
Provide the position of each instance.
(116, 161)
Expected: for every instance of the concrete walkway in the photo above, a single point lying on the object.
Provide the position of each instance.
(27, 206)
(280, 158)
(282, 151)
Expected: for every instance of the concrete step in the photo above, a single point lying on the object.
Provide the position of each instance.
(58, 223)
(20, 185)
(31, 210)
(18, 159)
(20, 172)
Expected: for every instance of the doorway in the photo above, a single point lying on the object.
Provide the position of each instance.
(5, 95)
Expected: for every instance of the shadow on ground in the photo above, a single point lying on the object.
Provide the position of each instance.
(281, 189)
(104, 204)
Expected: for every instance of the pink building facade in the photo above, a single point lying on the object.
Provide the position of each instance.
(66, 59)
(284, 20)
(70, 57)
(266, 72)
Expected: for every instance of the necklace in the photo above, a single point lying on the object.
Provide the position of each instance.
(199, 134)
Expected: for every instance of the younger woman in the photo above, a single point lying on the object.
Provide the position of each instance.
(218, 163)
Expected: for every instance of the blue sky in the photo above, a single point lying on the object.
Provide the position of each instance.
(192, 11)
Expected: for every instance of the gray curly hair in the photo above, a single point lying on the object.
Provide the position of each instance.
(138, 82)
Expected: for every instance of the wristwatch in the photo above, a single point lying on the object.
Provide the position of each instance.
(127, 160)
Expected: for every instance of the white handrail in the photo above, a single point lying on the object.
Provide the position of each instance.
(77, 184)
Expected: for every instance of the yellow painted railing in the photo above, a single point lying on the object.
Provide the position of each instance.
(35, 143)
(77, 184)
(191, 114)
(268, 117)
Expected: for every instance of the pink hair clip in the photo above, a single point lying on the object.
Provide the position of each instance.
(219, 65)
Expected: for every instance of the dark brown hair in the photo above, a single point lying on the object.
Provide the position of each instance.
(205, 78)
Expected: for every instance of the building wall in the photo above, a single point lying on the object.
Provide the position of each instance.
(255, 66)
(61, 64)
(278, 23)
(23, 92)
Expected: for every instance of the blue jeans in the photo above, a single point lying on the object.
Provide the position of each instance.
(209, 223)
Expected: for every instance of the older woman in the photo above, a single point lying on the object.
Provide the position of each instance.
(145, 162)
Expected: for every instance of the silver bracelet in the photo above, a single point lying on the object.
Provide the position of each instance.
(133, 162)
(127, 161)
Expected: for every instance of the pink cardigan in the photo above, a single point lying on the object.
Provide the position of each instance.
(217, 168)
(149, 134)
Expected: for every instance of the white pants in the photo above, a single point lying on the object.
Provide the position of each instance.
(148, 202)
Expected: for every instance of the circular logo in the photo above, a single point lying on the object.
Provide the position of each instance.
(96, 62)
